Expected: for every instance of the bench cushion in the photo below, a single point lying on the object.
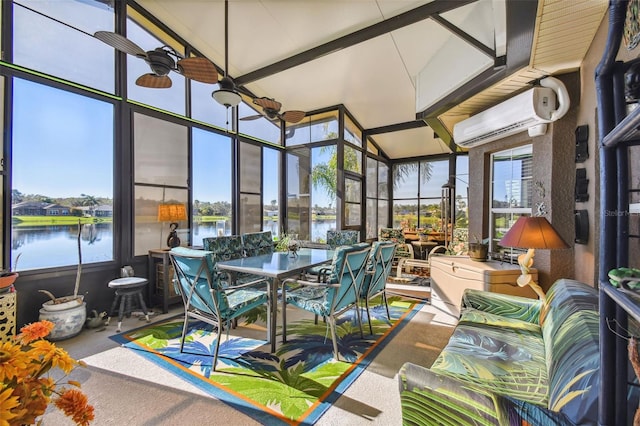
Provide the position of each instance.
(504, 355)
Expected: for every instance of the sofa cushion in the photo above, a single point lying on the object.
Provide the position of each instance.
(501, 354)
(570, 327)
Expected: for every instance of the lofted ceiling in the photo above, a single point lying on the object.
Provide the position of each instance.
(407, 70)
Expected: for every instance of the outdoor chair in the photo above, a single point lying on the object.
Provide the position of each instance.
(333, 297)
(403, 249)
(206, 299)
(257, 243)
(226, 247)
(378, 271)
(345, 237)
(335, 239)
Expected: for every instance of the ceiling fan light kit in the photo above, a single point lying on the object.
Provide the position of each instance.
(226, 95)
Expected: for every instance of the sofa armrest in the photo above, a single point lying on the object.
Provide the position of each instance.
(515, 307)
(427, 397)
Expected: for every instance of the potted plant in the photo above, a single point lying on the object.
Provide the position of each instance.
(478, 250)
(68, 313)
(8, 277)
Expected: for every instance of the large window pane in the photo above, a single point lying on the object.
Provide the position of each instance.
(462, 197)
(260, 127)
(353, 194)
(211, 185)
(315, 128)
(352, 133)
(372, 177)
(65, 51)
(62, 172)
(298, 192)
(323, 195)
(352, 159)
(161, 161)
(250, 188)
(405, 180)
(271, 190)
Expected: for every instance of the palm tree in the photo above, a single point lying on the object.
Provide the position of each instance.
(89, 201)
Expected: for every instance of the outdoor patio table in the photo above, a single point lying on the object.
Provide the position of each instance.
(277, 266)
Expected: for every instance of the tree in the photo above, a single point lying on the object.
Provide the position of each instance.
(89, 201)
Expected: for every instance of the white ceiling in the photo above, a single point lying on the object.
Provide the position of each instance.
(382, 81)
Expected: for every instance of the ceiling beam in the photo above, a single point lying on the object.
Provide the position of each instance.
(408, 125)
(465, 36)
(396, 22)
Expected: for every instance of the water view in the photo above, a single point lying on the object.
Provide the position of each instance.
(55, 245)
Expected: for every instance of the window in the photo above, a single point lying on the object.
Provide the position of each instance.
(462, 198)
(67, 51)
(250, 209)
(211, 165)
(377, 214)
(511, 190)
(161, 176)
(314, 128)
(62, 172)
(258, 125)
(271, 190)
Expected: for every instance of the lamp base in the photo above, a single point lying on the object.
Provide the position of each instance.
(172, 239)
(526, 262)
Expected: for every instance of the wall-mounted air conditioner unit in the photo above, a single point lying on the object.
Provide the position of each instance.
(530, 110)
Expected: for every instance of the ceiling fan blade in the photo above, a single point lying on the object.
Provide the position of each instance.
(154, 81)
(121, 43)
(293, 116)
(199, 69)
(268, 103)
(251, 117)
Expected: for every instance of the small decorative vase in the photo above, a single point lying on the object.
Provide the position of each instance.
(68, 322)
(6, 281)
(478, 252)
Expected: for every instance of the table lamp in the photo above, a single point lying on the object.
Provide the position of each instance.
(532, 232)
(172, 213)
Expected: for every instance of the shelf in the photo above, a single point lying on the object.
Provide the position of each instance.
(631, 304)
(627, 130)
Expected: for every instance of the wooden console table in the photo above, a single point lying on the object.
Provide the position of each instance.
(160, 279)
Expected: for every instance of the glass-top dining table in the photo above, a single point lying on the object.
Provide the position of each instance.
(277, 266)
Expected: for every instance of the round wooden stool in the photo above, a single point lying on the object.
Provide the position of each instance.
(128, 290)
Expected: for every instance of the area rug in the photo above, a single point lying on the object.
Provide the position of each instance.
(294, 385)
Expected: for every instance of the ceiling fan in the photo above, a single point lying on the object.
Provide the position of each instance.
(162, 60)
(226, 95)
(271, 109)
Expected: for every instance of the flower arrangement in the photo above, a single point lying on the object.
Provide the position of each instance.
(27, 388)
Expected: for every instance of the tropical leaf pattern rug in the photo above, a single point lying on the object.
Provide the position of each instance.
(294, 385)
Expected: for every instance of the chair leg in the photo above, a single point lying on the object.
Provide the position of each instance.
(357, 306)
(121, 313)
(185, 326)
(215, 351)
(386, 304)
(334, 339)
(366, 303)
(284, 317)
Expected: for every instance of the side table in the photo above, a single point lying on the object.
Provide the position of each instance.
(8, 303)
(161, 277)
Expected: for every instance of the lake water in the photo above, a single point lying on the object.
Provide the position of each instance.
(54, 246)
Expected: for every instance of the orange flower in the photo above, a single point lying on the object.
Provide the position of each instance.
(13, 361)
(7, 403)
(26, 388)
(74, 404)
(34, 331)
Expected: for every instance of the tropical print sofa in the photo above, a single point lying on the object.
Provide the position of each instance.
(512, 361)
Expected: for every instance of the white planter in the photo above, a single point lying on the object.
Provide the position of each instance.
(68, 302)
(68, 322)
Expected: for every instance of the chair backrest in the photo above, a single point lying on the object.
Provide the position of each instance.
(345, 237)
(257, 243)
(197, 281)
(379, 268)
(224, 247)
(392, 234)
(348, 269)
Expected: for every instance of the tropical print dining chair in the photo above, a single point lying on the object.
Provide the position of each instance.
(403, 249)
(206, 299)
(226, 247)
(331, 298)
(257, 243)
(345, 237)
(378, 271)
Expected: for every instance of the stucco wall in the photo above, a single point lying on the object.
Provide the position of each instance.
(554, 170)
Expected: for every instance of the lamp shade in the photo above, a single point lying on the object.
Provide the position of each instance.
(533, 232)
(225, 97)
(171, 212)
